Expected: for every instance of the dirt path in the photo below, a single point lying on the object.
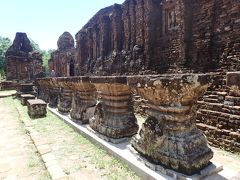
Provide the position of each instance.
(77, 156)
(18, 157)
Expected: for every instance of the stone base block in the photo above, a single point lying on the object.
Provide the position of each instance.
(18, 94)
(83, 110)
(65, 101)
(74, 120)
(207, 171)
(114, 132)
(37, 108)
(25, 97)
(185, 152)
(53, 97)
(112, 140)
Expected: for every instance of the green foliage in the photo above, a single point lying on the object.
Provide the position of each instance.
(5, 43)
(46, 54)
(35, 46)
(46, 57)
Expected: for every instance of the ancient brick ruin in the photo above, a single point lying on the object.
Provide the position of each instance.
(22, 62)
(63, 59)
(156, 36)
(116, 56)
(219, 114)
(164, 36)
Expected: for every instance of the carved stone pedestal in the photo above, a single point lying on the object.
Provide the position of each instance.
(169, 136)
(114, 115)
(64, 101)
(84, 99)
(53, 93)
(43, 89)
(53, 97)
(65, 96)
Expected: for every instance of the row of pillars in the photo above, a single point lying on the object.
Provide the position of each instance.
(168, 136)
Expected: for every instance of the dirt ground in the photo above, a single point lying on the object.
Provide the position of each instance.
(76, 155)
(18, 156)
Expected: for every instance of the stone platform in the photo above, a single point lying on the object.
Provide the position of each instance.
(25, 88)
(142, 167)
(207, 171)
(25, 98)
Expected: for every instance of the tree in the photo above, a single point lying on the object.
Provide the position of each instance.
(46, 54)
(5, 43)
(46, 57)
(35, 46)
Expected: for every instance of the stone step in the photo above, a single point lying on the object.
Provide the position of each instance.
(222, 89)
(232, 98)
(219, 114)
(205, 127)
(213, 96)
(218, 121)
(221, 93)
(211, 106)
(234, 108)
(209, 92)
(232, 101)
(211, 100)
(200, 102)
(221, 137)
(221, 107)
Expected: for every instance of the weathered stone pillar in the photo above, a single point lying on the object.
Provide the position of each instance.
(84, 99)
(65, 96)
(169, 136)
(53, 93)
(43, 89)
(114, 117)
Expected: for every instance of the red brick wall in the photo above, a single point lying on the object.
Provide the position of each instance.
(216, 27)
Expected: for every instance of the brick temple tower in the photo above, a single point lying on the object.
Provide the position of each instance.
(22, 62)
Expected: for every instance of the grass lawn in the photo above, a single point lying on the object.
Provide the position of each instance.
(75, 154)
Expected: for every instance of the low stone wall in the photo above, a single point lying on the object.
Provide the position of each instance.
(169, 135)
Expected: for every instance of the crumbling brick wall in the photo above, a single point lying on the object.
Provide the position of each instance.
(22, 62)
(158, 36)
(218, 115)
(216, 40)
(62, 60)
(135, 37)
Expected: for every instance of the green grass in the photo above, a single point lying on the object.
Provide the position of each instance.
(11, 104)
(35, 163)
(66, 143)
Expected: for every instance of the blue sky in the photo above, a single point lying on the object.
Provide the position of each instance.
(45, 20)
